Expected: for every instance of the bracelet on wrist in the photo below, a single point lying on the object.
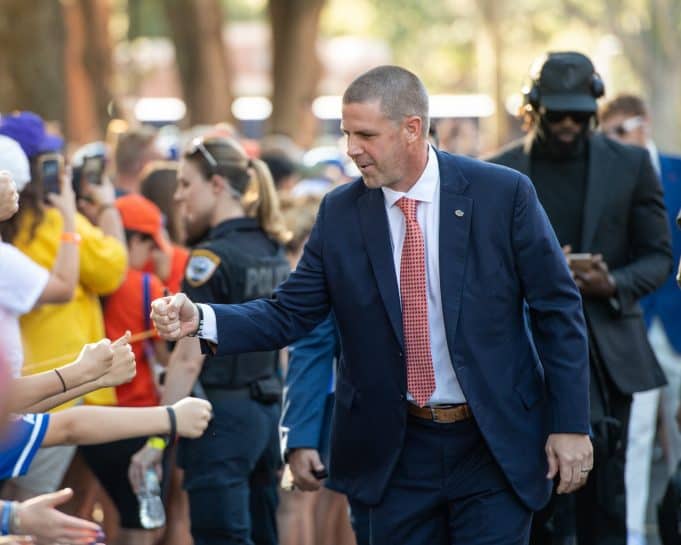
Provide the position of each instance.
(157, 443)
(15, 521)
(61, 379)
(172, 436)
(5, 517)
(71, 238)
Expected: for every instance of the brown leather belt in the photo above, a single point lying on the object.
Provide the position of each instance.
(442, 414)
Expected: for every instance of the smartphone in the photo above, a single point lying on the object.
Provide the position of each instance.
(93, 170)
(287, 477)
(580, 262)
(51, 168)
(320, 474)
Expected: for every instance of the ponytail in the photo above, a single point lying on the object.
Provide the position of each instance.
(248, 178)
(260, 201)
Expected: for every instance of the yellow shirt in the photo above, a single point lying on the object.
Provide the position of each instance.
(54, 334)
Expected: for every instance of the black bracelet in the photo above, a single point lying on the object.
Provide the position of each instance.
(173, 425)
(63, 384)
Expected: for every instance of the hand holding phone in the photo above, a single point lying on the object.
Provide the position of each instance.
(304, 469)
(592, 275)
(51, 169)
(58, 190)
(93, 170)
(581, 262)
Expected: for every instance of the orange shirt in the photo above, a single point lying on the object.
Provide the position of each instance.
(124, 311)
(178, 263)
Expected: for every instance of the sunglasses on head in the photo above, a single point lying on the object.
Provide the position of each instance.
(197, 146)
(628, 125)
(556, 116)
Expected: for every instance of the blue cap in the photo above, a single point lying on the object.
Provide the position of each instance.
(28, 129)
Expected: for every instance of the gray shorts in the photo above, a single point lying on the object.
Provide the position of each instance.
(47, 470)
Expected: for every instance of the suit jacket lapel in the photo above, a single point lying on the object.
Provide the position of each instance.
(599, 164)
(456, 213)
(376, 232)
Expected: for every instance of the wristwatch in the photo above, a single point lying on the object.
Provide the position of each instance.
(199, 330)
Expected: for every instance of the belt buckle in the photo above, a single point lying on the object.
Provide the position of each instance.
(433, 413)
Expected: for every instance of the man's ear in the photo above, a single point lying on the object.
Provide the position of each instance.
(413, 126)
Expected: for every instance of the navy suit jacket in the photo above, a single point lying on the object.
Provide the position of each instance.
(308, 393)
(665, 303)
(497, 251)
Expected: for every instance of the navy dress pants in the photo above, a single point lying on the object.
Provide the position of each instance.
(446, 490)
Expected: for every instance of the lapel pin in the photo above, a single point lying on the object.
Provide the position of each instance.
(458, 213)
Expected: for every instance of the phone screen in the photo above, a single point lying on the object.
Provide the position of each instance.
(93, 168)
(50, 173)
(580, 262)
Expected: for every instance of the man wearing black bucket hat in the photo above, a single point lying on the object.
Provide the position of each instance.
(605, 204)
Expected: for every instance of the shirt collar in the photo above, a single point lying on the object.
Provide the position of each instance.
(654, 156)
(424, 188)
(234, 224)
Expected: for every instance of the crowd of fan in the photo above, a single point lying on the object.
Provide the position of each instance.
(88, 240)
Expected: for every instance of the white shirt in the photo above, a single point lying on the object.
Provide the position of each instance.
(21, 283)
(427, 191)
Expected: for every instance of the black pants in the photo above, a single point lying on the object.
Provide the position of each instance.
(231, 474)
(596, 514)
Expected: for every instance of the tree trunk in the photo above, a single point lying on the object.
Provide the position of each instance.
(196, 30)
(663, 87)
(98, 56)
(652, 52)
(32, 61)
(88, 69)
(493, 17)
(296, 68)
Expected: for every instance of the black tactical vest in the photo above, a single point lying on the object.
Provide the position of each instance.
(251, 266)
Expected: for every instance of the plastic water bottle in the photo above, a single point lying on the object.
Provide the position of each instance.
(152, 514)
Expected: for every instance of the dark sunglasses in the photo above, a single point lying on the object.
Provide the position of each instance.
(556, 116)
(197, 146)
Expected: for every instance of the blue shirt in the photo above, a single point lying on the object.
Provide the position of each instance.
(20, 443)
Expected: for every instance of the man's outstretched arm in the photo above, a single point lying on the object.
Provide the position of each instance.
(297, 306)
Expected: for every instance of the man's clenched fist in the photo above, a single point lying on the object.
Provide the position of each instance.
(174, 316)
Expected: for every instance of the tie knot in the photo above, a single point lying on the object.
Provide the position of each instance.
(408, 207)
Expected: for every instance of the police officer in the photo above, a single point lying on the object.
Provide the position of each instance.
(229, 202)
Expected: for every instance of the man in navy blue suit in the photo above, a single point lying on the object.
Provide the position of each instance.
(451, 420)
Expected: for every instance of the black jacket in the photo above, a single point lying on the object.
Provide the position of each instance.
(625, 220)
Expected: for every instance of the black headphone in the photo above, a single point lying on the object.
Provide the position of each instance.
(532, 95)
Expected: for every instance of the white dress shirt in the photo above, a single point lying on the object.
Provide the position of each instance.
(427, 191)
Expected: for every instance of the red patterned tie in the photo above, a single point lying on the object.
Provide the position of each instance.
(420, 373)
